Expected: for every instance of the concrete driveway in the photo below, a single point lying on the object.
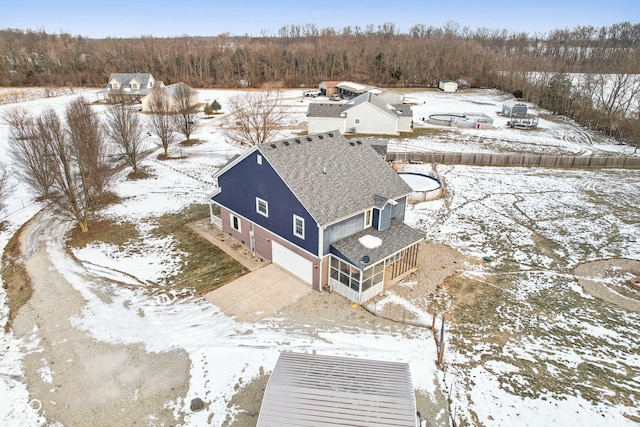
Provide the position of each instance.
(258, 294)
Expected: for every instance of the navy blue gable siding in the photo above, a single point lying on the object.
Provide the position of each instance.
(246, 180)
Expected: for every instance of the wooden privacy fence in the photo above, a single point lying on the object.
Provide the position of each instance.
(525, 160)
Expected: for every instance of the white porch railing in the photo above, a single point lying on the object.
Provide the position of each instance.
(352, 295)
(216, 221)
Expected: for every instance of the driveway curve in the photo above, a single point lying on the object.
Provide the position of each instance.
(81, 381)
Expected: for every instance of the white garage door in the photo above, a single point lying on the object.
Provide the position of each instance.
(292, 262)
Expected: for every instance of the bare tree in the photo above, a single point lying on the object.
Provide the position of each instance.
(61, 162)
(185, 102)
(124, 129)
(71, 191)
(5, 187)
(162, 122)
(255, 117)
(29, 155)
(88, 145)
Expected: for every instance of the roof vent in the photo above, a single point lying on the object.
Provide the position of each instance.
(286, 143)
(320, 136)
(352, 144)
(274, 146)
(298, 140)
(330, 135)
(359, 142)
(308, 138)
(366, 259)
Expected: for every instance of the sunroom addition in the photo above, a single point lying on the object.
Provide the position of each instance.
(361, 264)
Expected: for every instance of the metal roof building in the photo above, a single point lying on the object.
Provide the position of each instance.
(312, 390)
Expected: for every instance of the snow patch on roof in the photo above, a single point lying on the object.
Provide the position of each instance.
(370, 242)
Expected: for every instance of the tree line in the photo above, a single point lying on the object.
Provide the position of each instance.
(535, 67)
(306, 55)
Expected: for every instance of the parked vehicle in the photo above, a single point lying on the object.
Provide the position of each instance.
(311, 93)
(336, 97)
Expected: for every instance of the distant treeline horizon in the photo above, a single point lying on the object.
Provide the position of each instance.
(305, 55)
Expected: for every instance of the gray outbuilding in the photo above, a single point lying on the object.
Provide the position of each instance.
(514, 108)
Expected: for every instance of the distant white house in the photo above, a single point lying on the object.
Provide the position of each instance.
(364, 114)
(169, 92)
(129, 87)
(448, 86)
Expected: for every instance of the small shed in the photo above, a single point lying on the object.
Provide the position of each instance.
(316, 390)
(448, 86)
(514, 108)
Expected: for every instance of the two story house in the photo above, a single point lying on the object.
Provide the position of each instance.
(129, 87)
(327, 209)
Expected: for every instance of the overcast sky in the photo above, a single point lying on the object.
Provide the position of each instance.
(161, 18)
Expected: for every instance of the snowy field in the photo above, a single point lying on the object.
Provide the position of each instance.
(563, 358)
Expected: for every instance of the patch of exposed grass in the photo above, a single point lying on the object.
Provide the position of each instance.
(107, 231)
(16, 280)
(141, 173)
(417, 133)
(205, 267)
(191, 142)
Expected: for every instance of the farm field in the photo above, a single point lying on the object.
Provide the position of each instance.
(546, 332)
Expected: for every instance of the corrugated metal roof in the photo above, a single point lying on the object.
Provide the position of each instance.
(313, 390)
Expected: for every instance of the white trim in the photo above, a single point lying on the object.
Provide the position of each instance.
(259, 159)
(368, 224)
(266, 207)
(237, 160)
(295, 228)
(231, 218)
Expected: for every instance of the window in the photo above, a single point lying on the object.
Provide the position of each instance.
(346, 274)
(357, 121)
(368, 217)
(235, 222)
(262, 207)
(298, 226)
(259, 159)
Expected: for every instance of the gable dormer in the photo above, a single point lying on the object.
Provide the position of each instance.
(114, 84)
(134, 84)
(382, 212)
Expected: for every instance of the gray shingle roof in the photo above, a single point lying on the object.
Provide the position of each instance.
(322, 391)
(324, 109)
(125, 78)
(395, 238)
(332, 177)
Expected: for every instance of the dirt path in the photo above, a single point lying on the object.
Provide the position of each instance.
(78, 380)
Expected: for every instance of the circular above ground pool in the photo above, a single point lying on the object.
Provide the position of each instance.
(424, 187)
(448, 117)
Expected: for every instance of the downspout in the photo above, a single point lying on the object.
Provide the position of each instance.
(321, 254)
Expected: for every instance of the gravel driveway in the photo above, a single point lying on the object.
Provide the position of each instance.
(78, 380)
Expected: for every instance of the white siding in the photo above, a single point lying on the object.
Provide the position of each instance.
(372, 120)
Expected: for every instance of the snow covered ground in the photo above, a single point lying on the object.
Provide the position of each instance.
(565, 358)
